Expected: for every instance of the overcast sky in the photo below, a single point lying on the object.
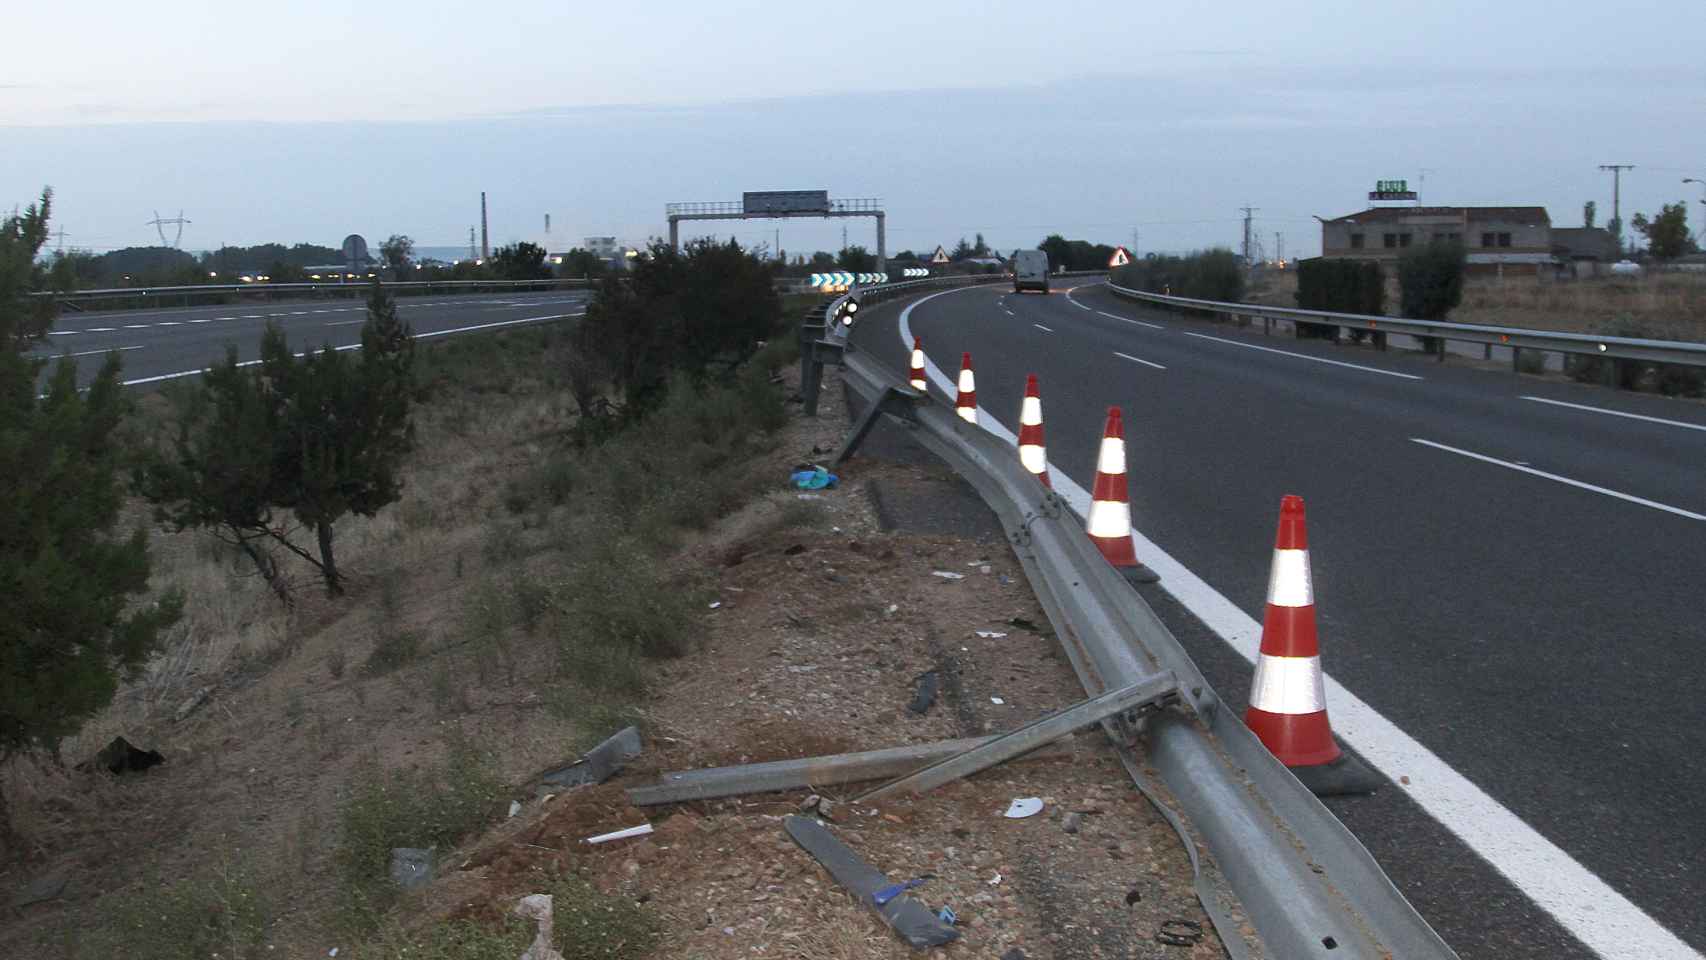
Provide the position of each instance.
(308, 121)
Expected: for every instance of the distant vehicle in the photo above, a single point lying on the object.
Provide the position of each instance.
(1625, 268)
(1030, 271)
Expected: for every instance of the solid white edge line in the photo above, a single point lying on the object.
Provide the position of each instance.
(1631, 498)
(1304, 356)
(1141, 323)
(1603, 919)
(1619, 413)
(1042, 328)
(1139, 360)
(356, 346)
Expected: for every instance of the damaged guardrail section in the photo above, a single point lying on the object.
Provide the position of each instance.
(1307, 886)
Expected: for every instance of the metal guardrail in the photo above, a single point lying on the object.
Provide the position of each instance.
(1307, 886)
(352, 288)
(1517, 339)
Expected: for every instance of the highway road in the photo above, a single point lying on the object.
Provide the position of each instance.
(158, 345)
(1509, 577)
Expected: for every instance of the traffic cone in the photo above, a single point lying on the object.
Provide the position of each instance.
(1031, 451)
(917, 380)
(966, 403)
(1109, 524)
(1288, 698)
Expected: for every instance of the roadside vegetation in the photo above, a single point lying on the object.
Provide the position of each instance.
(507, 512)
(1206, 275)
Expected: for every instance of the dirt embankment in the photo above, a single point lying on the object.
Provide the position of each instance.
(816, 626)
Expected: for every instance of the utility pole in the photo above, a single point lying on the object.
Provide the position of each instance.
(547, 226)
(1617, 198)
(1279, 246)
(1134, 243)
(1248, 213)
(472, 250)
(844, 236)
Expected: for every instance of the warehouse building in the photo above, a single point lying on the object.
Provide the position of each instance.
(1496, 238)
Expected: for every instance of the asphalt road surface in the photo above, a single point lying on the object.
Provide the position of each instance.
(1509, 574)
(158, 345)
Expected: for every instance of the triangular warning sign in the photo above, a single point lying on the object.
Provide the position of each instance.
(1119, 259)
(940, 256)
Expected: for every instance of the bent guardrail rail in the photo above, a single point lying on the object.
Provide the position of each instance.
(1308, 887)
(1678, 352)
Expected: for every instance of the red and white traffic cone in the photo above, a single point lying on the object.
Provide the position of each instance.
(1288, 698)
(966, 403)
(916, 380)
(1109, 524)
(1031, 451)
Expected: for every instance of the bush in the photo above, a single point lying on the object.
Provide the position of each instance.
(1206, 275)
(434, 807)
(222, 912)
(1340, 286)
(1430, 282)
(394, 649)
(699, 312)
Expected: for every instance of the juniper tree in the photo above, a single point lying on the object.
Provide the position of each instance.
(73, 618)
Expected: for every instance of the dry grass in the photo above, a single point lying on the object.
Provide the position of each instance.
(1663, 306)
(442, 639)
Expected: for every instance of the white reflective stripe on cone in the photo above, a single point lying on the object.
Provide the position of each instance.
(1109, 518)
(1289, 583)
(1112, 458)
(919, 385)
(1031, 412)
(968, 383)
(918, 359)
(968, 414)
(1288, 685)
(1033, 457)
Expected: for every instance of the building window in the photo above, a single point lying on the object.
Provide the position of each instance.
(1356, 241)
(1504, 239)
(1391, 240)
(1403, 239)
(1487, 239)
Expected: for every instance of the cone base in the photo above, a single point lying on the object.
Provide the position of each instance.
(1345, 777)
(1139, 574)
(1295, 739)
(1117, 550)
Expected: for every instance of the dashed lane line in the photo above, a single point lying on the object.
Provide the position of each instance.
(1619, 413)
(1133, 359)
(1141, 323)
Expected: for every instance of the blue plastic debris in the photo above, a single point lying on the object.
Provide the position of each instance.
(947, 915)
(816, 478)
(893, 890)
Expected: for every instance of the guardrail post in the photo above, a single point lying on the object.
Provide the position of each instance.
(1516, 359)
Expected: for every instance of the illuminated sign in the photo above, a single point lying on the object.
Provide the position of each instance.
(1119, 259)
(1392, 190)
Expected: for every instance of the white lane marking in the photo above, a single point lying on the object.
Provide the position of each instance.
(136, 326)
(248, 316)
(1076, 303)
(216, 318)
(297, 313)
(100, 330)
(87, 353)
(1139, 360)
(1580, 901)
(1141, 323)
(1304, 356)
(168, 323)
(206, 320)
(63, 333)
(343, 323)
(1008, 312)
(1042, 328)
(356, 346)
(1564, 480)
(1619, 413)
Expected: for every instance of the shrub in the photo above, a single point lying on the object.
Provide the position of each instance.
(1340, 286)
(222, 912)
(394, 649)
(1216, 274)
(1430, 282)
(434, 807)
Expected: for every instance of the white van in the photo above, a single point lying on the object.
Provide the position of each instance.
(1030, 271)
